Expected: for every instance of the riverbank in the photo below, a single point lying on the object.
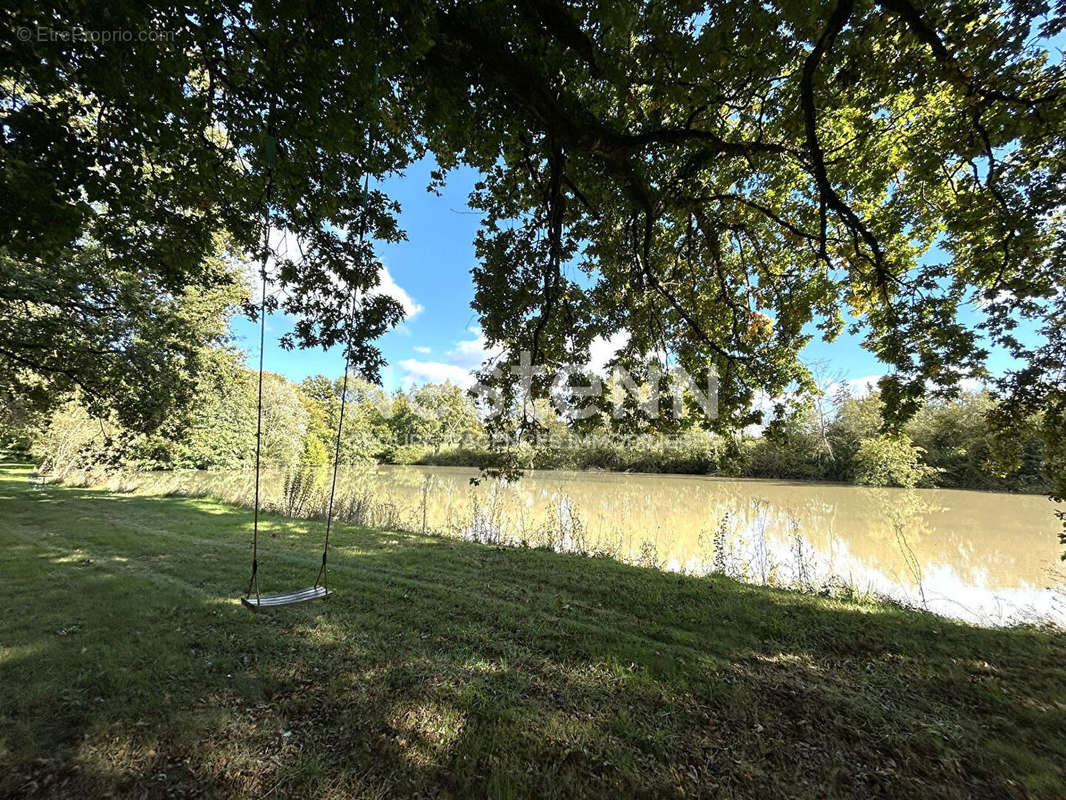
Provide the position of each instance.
(450, 668)
(748, 458)
(985, 558)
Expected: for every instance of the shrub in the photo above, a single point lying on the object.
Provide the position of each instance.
(301, 484)
(315, 452)
(890, 461)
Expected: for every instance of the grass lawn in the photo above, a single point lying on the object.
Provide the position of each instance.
(441, 668)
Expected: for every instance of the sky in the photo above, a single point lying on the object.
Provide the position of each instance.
(429, 274)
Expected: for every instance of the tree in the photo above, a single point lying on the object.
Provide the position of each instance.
(219, 429)
(727, 178)
(407, 425)
(69, 440)
(448, 413)
(135, 155)
(366, 433)
(958, 441)
(128, 339)
(856, 420)
(285, 422)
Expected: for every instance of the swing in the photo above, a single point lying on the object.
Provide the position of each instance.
(319, 589)
(278, 600)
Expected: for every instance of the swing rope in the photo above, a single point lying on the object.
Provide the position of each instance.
(253, 582)
(322, 573)
(333, 485)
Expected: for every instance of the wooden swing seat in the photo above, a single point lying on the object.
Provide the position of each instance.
(290, 599)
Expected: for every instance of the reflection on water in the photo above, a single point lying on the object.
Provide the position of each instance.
(979, 556)
(983, 557)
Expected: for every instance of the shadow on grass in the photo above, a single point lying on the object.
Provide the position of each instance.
(445, 668)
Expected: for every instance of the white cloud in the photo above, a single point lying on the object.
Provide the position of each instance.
(856, 387)
(390, 288)
(972, 384)
(435, 372)
(862, 387)
(281, 246)
(467, 355)
(422, 349)
(284, 244)
(1003, 297)
(603, 350)
(764, 402)
(472, 353)
(458, 364)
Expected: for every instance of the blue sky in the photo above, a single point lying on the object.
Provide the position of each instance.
(430, 275)
(431, 271)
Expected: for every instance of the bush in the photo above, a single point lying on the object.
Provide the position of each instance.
(463, 457)
(890, 461)
(407, 454)
(798, 458)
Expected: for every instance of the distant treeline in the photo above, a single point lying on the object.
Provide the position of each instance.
(835, 438)
(946, 445)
